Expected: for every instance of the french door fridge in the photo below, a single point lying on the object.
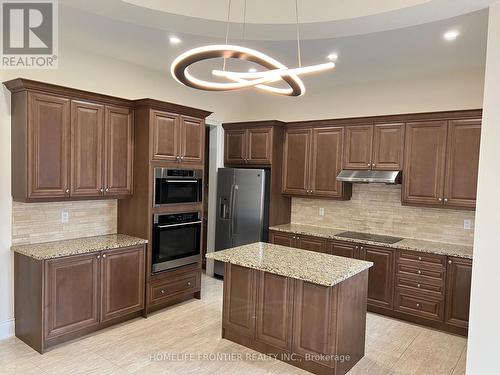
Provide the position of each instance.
(242, 209)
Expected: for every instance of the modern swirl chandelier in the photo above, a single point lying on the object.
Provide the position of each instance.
(261, 80)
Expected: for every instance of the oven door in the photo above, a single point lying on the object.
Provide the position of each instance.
(172, 190)
(176, 245)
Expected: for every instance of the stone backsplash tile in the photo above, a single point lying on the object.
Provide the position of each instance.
(41, 222)
(376, 208)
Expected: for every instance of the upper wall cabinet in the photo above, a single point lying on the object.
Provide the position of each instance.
(69, 144)
(177, 138)
(312, 161)
(376, 147)
(251, 145)
(441, 163)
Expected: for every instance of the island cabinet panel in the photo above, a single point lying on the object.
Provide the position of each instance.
(240, 293)
(235, 146)
(48, 137)
(71, 294)
(87, 148)
(192, 140)
(388, 147)
(425, 154)
(380, 276)
(358, 147)
(165, 133)
(326, 162)
(119, 151)
(458, 287)
(122, 282)
(462, 161)
(296, 165)
(274, 310)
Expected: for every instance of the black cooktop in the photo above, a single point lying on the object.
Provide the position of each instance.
(370, 237)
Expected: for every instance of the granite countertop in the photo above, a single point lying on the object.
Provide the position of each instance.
(440, 248)
(317, 268)
(56, 249)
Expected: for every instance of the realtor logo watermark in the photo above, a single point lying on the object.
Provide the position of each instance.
(29, 34)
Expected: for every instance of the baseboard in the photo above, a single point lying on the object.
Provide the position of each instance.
(7, 328)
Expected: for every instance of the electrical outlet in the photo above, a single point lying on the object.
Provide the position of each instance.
(467, 224)
(64, 217)
(321, 211)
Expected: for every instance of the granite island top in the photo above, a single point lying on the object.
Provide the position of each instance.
(439, 248)
(317, 268)
(56, 249)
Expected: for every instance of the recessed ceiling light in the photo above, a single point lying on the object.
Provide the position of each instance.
(451, 35)
(174, 40)
(332, 56)
(252, 70)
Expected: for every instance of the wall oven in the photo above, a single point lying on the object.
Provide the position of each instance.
(175, 186)
(176, 240)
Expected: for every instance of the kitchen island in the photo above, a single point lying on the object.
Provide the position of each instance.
(298, 306)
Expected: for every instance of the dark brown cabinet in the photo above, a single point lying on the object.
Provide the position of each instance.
(165, 135)
(192, 140)
(341, 249)
(87, 149)
(122, 282)
(250, 144)
(48, 145)
(59, 299)
(312, 161)
(282, 238)
(441, 163)
(458, 288)
(380, 276)
(299, 241)
(358, 147)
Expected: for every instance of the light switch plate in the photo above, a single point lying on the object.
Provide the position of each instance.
(321, 211)
(64, 217)
(467, 224)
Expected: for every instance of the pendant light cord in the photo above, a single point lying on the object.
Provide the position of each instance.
(244, 18)
(298, 32)
(227, 30)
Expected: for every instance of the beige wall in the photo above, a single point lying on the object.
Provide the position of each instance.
(41, 222)
(376, 208)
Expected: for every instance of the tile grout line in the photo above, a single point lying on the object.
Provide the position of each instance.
(459, 357)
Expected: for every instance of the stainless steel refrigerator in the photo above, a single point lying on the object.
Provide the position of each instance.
(242, 209)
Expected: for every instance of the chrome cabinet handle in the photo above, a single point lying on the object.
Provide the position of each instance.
(357, 247)
(418, 285)
(449, 262)
(440, 199)
(373, 165)
(361, 248)
(98, 256)
(418, 304)
(189, 283)
(419, 258)
(419, 272)
(445, 200)
(101, 190)
(162, 291)
(67, 191)
(369, 164)
(104, 255)
(107, 189)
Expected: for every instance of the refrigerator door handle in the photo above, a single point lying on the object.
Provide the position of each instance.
(232, 208)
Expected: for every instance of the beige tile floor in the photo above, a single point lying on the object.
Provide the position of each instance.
(142, 346)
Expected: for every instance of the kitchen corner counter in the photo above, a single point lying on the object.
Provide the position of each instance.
(439, 248)
(317, 268)
(56, 249)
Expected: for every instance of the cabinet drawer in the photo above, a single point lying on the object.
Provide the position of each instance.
(164, 289)
(421, 273)
(425, 307)
(422, 260)
(418, 286)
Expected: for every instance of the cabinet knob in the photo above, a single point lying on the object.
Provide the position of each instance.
(361, 247)
(445, 200)
(373, 165)
(101, 190)
(107, 189)
(418, 285)
(440, 199)
(98, 256)
(162, 291)
(104, 255)
(369, 164)
(67, 191)
(419, 272)
(182, 158)
(419, 258)
(298, 238)
(189, 283)
(449, 262)
(178, 157)
(357, 247)
(418, 304)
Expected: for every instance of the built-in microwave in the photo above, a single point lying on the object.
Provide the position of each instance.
(176, 186)
(176, 240)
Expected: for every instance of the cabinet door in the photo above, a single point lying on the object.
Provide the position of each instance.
(274, 310)
(458, 286)
(297, 150)
(71, 294)
(235, 146)
(192, 140)
(462, 161)
(239, 299)
(358, 147)
(48, 146)
(380, 275)
(388, 146)
(282, 238)
(259, 146)
(165, 129)
(344, 250)
(119, 151)
(326, 162)
(87, 149)
(311, 243)
(423, 174)
(122, 282)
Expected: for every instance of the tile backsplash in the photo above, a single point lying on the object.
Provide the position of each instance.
(376, 208)
(41, 222)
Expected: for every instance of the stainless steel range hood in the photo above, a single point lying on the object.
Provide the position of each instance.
(365, 177)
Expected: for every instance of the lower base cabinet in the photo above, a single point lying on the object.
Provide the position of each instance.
(458, 286)
(80, 294)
